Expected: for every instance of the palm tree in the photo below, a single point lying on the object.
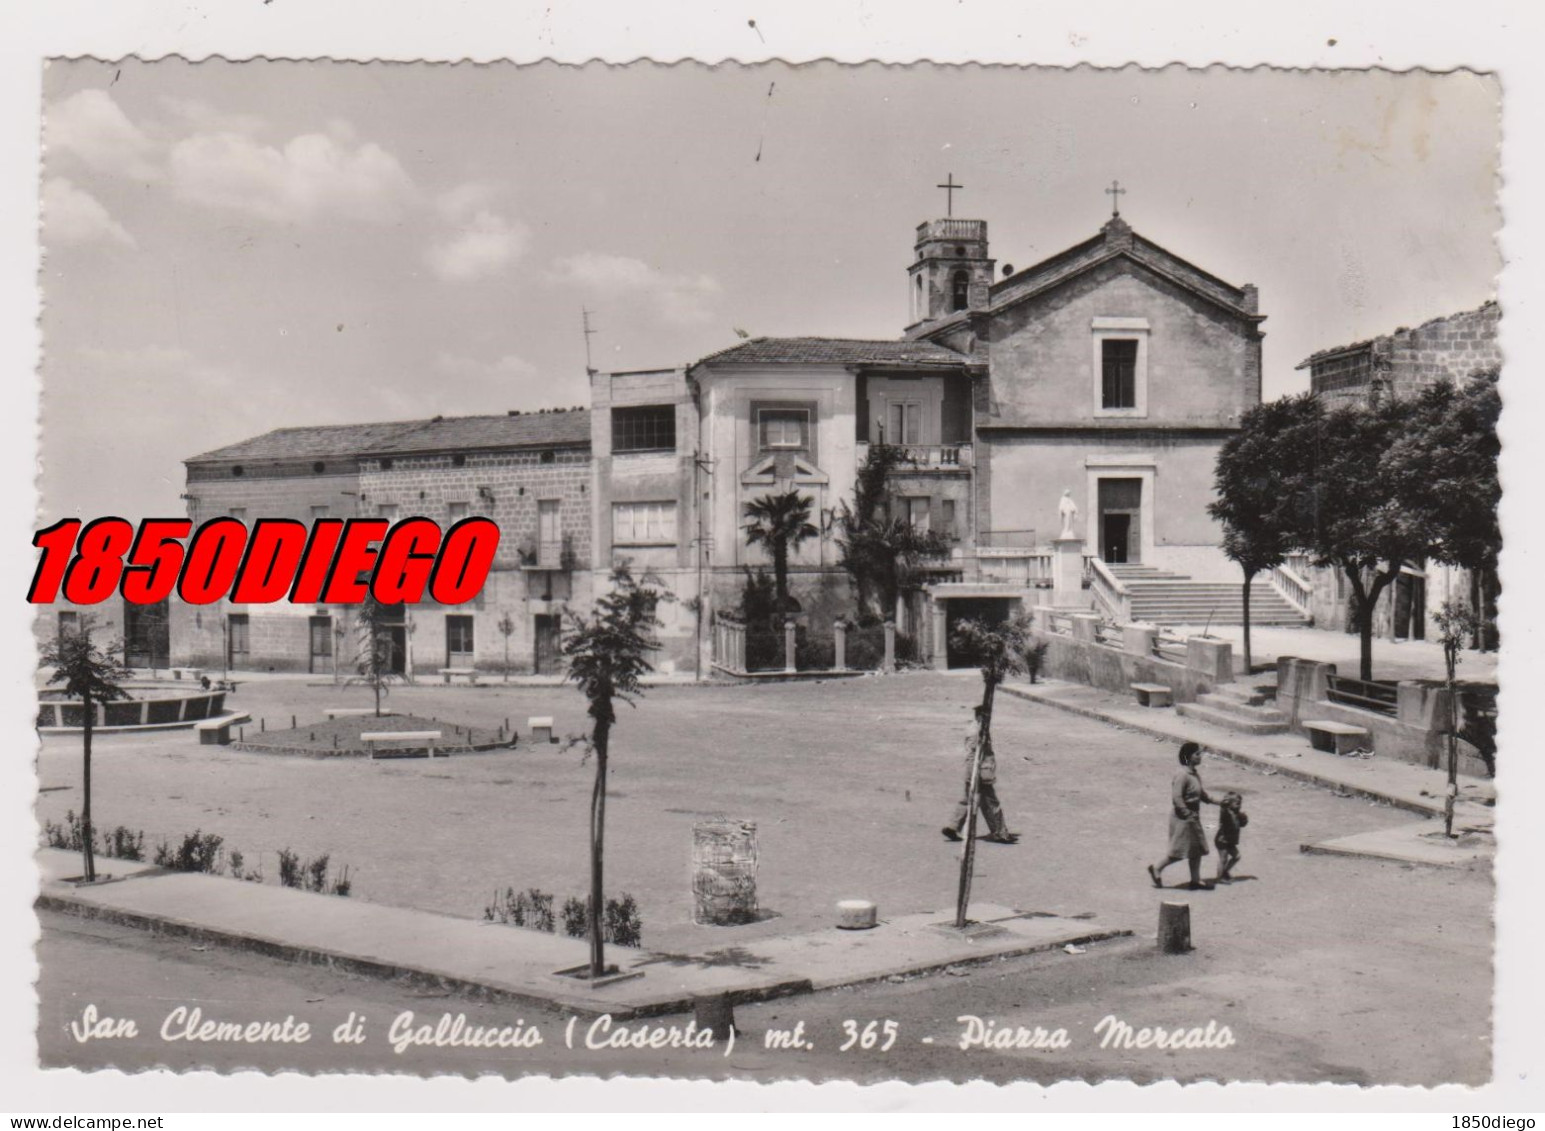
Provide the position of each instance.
(781, 523)
(94, 675)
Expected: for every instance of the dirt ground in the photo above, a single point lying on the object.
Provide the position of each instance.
(1337, 969)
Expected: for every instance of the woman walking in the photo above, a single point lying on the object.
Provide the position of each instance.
(1187, 840)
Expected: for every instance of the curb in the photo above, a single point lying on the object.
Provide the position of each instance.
(1254, 761)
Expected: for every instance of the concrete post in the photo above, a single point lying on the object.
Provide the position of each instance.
(1213, 659)
(941, 637)
(1040, 618)
(840, 645)
(890, 647)
(788, 646)
(1083, 627)
(1174, 928)
(1138, 639)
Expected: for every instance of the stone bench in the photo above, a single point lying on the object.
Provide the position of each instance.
(1153, 695)
(541, 728)
(400, 740)
(348, 712)
(194, 674)
(451, 673)
(1333, 737)
(217, 731)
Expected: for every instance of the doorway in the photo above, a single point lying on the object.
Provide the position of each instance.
(1121, 526)
(549, 656)
(147, 634)
(321, 629)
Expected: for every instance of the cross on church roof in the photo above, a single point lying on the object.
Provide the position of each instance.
(950, 189)
(1115, 192)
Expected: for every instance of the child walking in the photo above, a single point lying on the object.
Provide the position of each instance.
(1231, 818)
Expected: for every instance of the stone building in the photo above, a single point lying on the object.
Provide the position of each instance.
(530, 472)
(1401, 364)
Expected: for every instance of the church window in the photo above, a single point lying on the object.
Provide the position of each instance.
(644, 428)
(785, 429)
(1118, 373)
(960, 291)
(238, 470)
(318, 468)
(903, 422)
(650, 524)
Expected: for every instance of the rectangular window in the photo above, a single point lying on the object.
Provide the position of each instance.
(238, 635)
(388, 511)
(644, 428)
(904, 422)
(915, 511)
(68, 622)
(238, 513)
(1118, 373)
(652, 524)
(785, 429)
(947, 519)
(456, 511)
(319, 512)
(458, 637)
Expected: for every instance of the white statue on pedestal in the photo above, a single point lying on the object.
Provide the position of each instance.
(1068, 509)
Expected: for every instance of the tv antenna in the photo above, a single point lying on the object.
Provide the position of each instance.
(588, 330)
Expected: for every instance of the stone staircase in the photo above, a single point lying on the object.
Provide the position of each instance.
(1237, 707)
(1161, 597)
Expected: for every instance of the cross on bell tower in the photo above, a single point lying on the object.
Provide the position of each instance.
(1115, 192)
(950, 189)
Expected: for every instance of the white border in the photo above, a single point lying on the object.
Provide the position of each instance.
(1485, 34)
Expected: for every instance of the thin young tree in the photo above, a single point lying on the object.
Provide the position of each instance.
(1000, 651)
(781, 523)
(1456, 623)
(607, 656)
(93, 675)
(506, 627)
(1257, 468)
(373, 660)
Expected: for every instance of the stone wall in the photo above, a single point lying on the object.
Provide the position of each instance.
(1452, 348)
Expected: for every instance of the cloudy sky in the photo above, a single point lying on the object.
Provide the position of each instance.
(231, 248)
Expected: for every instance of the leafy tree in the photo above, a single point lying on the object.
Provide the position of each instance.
(93, 675)
(1345, 509)
(880, 553)
(782, 524)
(1445, 469)
(607, 655)
(1260, 465)
(374, 623)
(1000, 650)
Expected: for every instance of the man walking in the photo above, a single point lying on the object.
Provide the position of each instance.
(986, 790)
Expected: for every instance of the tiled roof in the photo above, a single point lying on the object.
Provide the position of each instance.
(463, 433)
(836, 351)
(308, 443)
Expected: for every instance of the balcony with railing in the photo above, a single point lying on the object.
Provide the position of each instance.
(952, 229)
(926, 457)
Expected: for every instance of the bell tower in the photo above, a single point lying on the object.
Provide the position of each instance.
(951, 271)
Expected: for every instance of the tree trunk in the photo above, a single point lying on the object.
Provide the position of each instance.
(1453, 750)
(781, 577)
(88, 835)
(968, 857)
(1249, 576)
(597, 848)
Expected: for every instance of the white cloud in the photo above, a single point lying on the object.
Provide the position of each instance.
(309, 176)
(93, 128)
(507, 365)
(483, 241)
(684, 300)
(72, 215)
